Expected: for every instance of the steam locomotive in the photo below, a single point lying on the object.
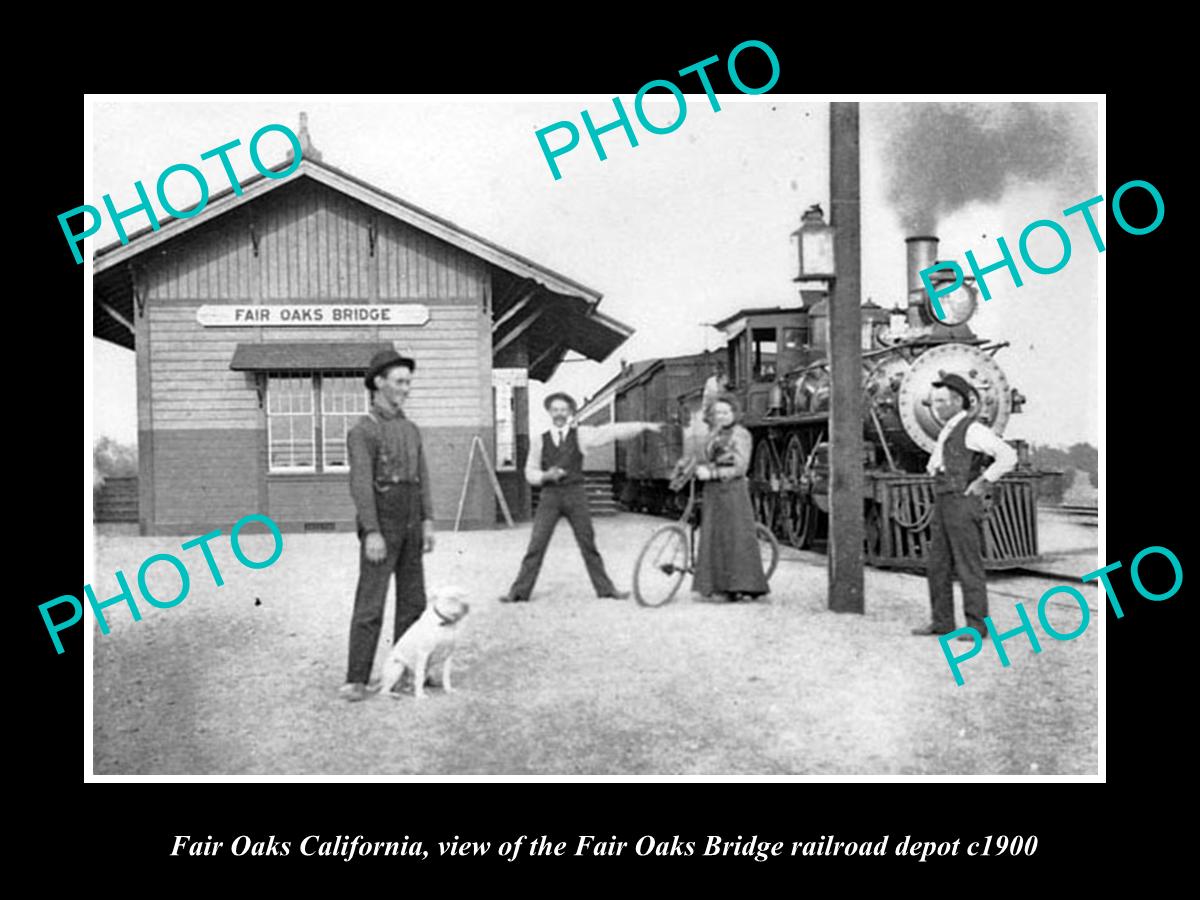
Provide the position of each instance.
(776, 361)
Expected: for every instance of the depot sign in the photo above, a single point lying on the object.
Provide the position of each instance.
(313, 314)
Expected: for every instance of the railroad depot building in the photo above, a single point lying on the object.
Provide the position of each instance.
(253, 324)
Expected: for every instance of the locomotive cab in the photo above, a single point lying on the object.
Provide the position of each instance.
(764, 346)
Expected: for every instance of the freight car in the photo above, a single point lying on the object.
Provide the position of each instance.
(776, 360)
(646, 391)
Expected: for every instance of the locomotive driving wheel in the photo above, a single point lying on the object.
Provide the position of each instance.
(766, 485)
(797, 510)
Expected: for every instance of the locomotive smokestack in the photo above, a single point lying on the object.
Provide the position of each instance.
(922, 253)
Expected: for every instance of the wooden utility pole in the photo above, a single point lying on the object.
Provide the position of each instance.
(845, 351)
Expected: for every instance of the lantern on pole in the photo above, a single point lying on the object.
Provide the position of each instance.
(815, 245)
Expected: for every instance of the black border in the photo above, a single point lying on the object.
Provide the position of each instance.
(1147, 455)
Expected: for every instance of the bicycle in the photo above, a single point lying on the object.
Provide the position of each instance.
(670, 553)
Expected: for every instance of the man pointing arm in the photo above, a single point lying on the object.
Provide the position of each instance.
(557, 467)
(593, 436)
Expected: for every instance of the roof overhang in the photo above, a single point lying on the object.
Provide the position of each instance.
(281, 356)
(741, 314)
(596, 335)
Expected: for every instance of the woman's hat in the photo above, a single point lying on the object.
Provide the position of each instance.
(384, 360)
(559, 395)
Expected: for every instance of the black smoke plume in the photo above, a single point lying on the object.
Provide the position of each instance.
(942, 156)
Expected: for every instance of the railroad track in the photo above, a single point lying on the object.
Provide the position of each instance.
(1078, 511)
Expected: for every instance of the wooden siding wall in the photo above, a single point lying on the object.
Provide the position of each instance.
(191, 384)
(314, 244)
(313, 248)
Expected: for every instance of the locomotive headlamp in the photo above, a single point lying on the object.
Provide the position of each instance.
(957, 306)
(816, 246)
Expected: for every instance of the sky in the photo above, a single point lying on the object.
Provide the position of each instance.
(687, 227)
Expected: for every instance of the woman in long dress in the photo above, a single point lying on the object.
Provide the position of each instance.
(729, 560)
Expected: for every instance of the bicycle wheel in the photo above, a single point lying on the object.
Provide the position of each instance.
(661, 566)
(768, 546)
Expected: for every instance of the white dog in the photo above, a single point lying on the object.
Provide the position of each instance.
(432, 635)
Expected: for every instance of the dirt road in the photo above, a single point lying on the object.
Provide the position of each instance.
(242, 679)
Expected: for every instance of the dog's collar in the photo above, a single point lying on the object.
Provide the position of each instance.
(447, 620)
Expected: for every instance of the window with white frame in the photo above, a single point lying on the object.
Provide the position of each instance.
(291, 422)
(301, 440)
(343, 401)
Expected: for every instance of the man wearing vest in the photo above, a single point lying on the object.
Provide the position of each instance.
(389, 481)
(558, 467)
(962, 497)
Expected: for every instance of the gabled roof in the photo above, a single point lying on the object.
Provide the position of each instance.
(258, 185)
(574, 322)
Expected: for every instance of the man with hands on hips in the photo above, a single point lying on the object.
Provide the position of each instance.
(962, 498)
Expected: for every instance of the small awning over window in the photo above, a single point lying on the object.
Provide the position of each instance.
(306, 355)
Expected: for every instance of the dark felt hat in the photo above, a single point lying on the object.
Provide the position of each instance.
(384, 360)
(559, 395)
(959, 385)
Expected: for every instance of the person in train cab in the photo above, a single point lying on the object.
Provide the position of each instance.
(962, 497)
(729, 562)
(557, 466)
(717, 384)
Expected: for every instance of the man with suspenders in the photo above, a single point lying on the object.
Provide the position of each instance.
(389, 481)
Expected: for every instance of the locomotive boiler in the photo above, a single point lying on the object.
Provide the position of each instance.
(776, 361)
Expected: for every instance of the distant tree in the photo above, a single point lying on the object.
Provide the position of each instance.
(1050, 490)
(1086, 458)
(1071, 462)
(112, 459)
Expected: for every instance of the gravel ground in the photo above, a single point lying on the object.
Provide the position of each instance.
(242, 679)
